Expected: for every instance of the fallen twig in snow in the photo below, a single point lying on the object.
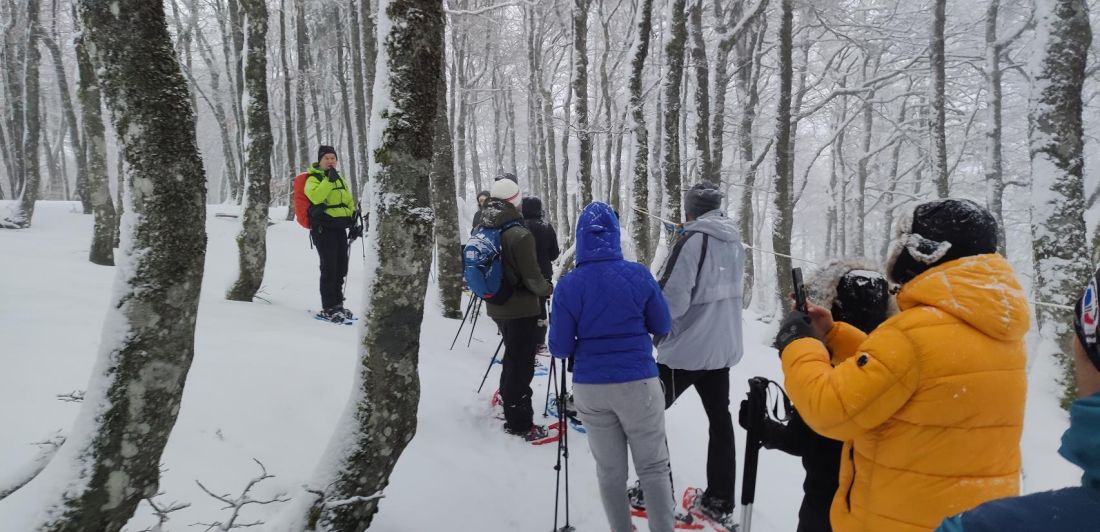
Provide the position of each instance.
(162, 512)
(238, 503)
(75, 396)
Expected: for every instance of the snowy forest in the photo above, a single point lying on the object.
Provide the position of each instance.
(821, 121)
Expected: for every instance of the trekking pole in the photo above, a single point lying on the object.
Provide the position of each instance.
(473, 324)
(550, 384)
(469, 306)
(563, 452)
(757, 408)
(491, 362)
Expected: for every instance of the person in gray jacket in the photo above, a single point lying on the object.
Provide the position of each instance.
(701, 280)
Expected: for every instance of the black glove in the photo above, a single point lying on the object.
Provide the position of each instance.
(332, 174)
(355, 232)
(795, 326)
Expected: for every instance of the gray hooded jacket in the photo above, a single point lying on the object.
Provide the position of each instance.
(704, 298)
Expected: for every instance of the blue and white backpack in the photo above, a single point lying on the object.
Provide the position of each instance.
(483, 264)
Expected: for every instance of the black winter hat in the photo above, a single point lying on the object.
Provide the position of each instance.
(936, 232)
(531, 208)
(323, 150)
(701, 199)
(1085, 320)
(854, 290)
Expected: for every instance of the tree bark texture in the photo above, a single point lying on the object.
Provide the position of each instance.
(937, 62)
(380, 418)
(95, 146)
(112, 461)
(702, 94)
(448, 247)
(639, 221)
(580, 90)
(784, 170)
(672, 84)
(292, 165)
(1056, 138)
(24, 210)
(252, 240)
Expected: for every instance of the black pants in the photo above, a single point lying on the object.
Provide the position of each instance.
(713, 387)
(332, 248)
(520, 344)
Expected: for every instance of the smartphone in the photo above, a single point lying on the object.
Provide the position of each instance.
(799, 290)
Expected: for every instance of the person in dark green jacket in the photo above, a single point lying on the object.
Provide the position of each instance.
(331, 216)
(517, 317)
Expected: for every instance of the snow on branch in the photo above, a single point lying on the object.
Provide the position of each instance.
(450, 11)
(238, 503)
(75, 396)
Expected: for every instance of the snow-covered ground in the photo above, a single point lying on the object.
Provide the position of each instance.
(268, 382)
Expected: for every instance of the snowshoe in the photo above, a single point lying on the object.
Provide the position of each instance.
(683, 519)
(716, 513)
(346, 314)
(496, 405)
(570, 414)
(537, 434)
(541, 370)
(332, 315)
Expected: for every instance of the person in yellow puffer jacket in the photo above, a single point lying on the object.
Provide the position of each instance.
(930, 403)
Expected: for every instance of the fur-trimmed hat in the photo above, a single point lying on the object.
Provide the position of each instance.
(936, 232)
(854, 290)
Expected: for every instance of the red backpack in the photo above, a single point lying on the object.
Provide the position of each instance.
(301, 202)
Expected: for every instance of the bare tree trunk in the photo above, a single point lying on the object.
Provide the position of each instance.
(351, 169)
(460, 126)
(252, 240)
(784, 174)
(702, 94)
(643, 19)
(214, 101)
(359, 93)
(750, 60)
(24, 210)
(106, 468)
(292, 165)
(472, 145)
(14, 60)
(302, 41)
(510, 116)
(380, 417)
(70, 118)
(580, 90)
(939, 136)
(862, 171)
(994, 166)
(672, 84)
(1056, 136)
(448, 247)
(95, 145)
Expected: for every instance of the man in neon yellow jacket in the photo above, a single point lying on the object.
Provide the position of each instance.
(330, 217)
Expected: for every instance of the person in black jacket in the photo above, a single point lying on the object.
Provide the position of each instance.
(858, 295)
(482, 197)
(546, 245)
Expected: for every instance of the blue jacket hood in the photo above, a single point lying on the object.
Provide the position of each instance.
(598, 234)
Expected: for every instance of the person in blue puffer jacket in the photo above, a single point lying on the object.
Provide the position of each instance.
(603, 313)
(1070, 509)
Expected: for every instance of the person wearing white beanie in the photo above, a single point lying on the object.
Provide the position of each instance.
(518, 315)
(507, 190)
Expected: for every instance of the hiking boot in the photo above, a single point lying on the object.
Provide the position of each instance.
(542, 350)
(718, 511)
(535, 433)
(331, 314)
(571, 408)
(345, 313)
(635, 496)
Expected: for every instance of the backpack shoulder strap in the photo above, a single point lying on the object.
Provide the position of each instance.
(699, 269)
(674, 257)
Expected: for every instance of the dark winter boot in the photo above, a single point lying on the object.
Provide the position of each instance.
(635, 495)
(331, 314)
(718, 512)
(535, 433)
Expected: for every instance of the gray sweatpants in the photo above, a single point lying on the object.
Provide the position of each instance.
(628, 414)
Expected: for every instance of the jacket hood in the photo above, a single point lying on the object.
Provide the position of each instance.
(821, 287)
(532, 208)
(1081, 442)
(498, 212)
(981, 290)
(598, 234)
(716, 224)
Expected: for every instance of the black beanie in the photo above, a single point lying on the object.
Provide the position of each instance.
(323, 150)
(1085, 317)
(701, 199)
(936, 232)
